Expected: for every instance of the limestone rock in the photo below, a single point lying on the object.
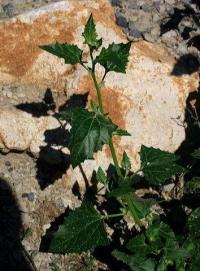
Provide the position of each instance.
(19, 131)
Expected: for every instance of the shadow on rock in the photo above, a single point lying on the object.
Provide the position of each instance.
(52, 162)
(186, 64)
(12, 255)
(41, 108)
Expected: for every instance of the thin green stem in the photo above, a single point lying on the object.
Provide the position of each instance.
(114, 157)
(128, 198)
(112, 216)
(98, 89)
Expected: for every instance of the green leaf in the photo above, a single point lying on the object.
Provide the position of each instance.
(121, 132)
(126, 163)
(136, 263)
(196, 154)
(71, 53)
(138, 245)
(142, 206)
(157, 165)
(90, 34)
(89, 132)
(101, 176)
(82, 230)
(123, 189)
(193, 186)
(54, 267)
(194, 224)
(115, 57)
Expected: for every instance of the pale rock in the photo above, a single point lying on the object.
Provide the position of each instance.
(20, 131)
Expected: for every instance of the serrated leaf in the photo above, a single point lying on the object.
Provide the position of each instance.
(89, 132)
(90, 34)
(71, 53)
(82, 230)
(115, 57)
(121, 132)
(136, 263)
(196, 154)
(157, 165)
(126, 163)
(101, 176)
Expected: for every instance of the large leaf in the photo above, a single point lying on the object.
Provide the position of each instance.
(82, 230)
(90, 34)
(115, 57)
(89, 132)
(71, 53)
(136, 263)
(157, 165)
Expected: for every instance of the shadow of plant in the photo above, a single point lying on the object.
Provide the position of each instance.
(12, 255)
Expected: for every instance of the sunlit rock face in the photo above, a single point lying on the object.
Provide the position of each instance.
(148, 101)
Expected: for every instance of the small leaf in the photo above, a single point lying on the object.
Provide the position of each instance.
(71, 53)
(196, 154)
(157, 165)
(90, 34)
(101, 176)
(115, 57)
(142, 206)
(54, 267)
(194, 224)
(126, 163)
(136, 263)
(138, 245)
(121, 132)
(123, 189)
(89, 132)
(82, 230)
(193, 186)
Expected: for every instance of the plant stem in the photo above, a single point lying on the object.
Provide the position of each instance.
(98, 89)
(128, 198)
(112, 216)
(114, 157)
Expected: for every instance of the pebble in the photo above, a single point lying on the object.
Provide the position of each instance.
(121, 19)
(30, 196)
(116, 2)
(9, 9)
(133, 31)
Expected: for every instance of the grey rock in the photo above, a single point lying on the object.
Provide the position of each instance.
(116, 2)
(30, 196)
(133, 31)
(9, 9)
(121, 19)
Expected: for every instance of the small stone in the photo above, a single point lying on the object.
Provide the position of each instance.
(133, 31)
(7, 163)
(170, 38)
(116, 2)
(121, 19)
(9, 10)
(30, 196)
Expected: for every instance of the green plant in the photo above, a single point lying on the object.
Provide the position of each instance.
(156, 247)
